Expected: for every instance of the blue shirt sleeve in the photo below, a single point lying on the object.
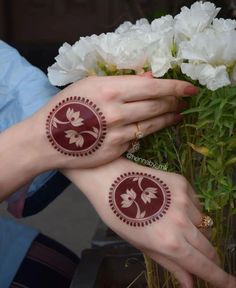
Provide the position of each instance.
(24, 89)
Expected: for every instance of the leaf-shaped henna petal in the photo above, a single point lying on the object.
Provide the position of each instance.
(69, 113)
(142, 215)
(80, 141)
(54, 124)
(70, 133)
(131, 193)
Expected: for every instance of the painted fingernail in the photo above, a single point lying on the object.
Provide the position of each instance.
(191, 90)
(178, 118)
(182, 105)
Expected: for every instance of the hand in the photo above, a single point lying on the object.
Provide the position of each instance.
(173, 241)
(71, 124)
(76, 128)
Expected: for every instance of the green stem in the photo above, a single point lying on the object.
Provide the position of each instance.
(152, 280)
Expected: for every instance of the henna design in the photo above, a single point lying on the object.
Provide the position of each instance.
(139, 199)
(76, 127)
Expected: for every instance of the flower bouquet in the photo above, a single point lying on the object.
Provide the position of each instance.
(197, 47)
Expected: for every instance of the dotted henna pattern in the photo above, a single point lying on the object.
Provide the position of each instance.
(76, 127)
(139, 199)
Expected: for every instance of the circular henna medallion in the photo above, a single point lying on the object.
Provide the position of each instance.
(139, 199)
(76, 127)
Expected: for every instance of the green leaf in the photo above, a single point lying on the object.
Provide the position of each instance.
(231, 161)
(193, 110)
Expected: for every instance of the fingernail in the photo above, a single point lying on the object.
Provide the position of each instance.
(178, 118)
(182, 105)
(191, 90)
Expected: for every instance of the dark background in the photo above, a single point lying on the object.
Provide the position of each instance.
(37, 28)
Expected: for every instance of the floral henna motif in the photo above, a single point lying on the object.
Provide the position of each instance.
(139, 199)
(76, 127)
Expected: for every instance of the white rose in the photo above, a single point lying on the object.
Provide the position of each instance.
(193, 20)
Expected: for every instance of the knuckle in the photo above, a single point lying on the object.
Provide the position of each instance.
(150, 86)
(115, 140)
(186, 252)
(108, 93)
(180, 221)
(184, 202)
(114, 117)
(182, 182)
(179, 88)
(212, 254)
(172, 246)
(111, 153)
(157, 107)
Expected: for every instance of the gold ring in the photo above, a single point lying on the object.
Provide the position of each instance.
(206, 222)
(138, 134)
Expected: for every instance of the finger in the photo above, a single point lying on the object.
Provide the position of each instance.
(142, 110)
(141, 88)
(194, 197)
(198, 264)
(182, 276)
(194, 214)
(195, 238)
(156, 88)
(149, 126)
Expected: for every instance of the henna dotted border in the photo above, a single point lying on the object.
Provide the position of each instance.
(157, 216)
(97, 112)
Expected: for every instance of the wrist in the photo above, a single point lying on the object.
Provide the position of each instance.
(21, 157)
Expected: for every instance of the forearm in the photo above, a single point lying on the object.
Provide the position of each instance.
(22, 156)
(95, 184)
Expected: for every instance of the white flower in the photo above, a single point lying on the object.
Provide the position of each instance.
(223, 25)
(161, 59)
(161, 56)
(163, 27)
(128, 198)
(74, 117)
(73, 63)
(212, 77)
(209, 54)
(148, 194)
(122, 51)
(193, 20)
(74, 137)
(153, 45)
(124, 27)
(141, 25)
